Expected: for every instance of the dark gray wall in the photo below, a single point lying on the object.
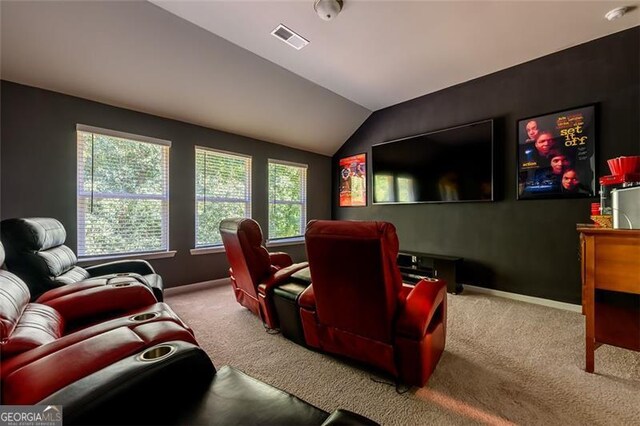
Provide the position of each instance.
(527, 247)
(38, 172)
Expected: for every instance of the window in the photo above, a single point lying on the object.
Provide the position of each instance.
(223, 189)
(287, 199)
(123, 193)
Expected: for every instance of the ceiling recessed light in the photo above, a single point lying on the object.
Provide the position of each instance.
(616, 13)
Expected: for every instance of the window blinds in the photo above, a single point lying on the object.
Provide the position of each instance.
(122, 193)
(223, 190)
(287, 199)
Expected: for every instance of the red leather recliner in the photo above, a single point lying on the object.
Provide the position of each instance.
(254, 272)
(117, 317)
(357, 305)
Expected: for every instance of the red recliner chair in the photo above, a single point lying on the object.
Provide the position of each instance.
(254, 272)
(75, 316)
(358, 307)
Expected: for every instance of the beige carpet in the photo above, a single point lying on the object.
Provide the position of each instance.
(505, 362)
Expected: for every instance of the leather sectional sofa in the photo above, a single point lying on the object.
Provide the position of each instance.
(109, 353)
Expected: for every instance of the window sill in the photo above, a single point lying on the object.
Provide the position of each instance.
(285, 242)
(85, 261)
(206, 250)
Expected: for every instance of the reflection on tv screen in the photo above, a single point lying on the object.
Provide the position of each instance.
(445, 166)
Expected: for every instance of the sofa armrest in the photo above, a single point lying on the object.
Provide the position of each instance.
(137, 266)
(138, 386)
(121, 295)
(307, 299)
(280, 259)
(346, 417)
(40, 378)
(68, 289)
(279, 276)
(420, 307)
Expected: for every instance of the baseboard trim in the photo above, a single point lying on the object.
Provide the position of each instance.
(522, 298)
(188, 288)
(507, 295)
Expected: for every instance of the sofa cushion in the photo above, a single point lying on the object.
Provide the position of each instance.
(14, 297)
(59, 260)
(71, 276)
(38, 325)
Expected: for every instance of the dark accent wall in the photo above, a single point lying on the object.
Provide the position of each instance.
(526, 247)
(38, 172)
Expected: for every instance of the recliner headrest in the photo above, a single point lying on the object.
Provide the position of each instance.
(246, 236)
(250, 227)
(365, 230)
(33, 233)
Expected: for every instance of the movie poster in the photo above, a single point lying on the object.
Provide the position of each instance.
(353, 181)
(556, 155)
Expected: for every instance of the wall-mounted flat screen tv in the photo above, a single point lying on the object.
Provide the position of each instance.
(450, 165)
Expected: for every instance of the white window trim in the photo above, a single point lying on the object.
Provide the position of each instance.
(222, 151)
(288, 163)
(86, 261)
(207, 250)
(122, 135)
(138, 138)
(289, 241)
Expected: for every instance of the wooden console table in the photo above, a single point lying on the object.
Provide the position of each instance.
(610, 260)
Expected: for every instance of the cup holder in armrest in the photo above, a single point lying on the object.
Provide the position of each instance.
(119, 281)
(144, 317)
(157, 353)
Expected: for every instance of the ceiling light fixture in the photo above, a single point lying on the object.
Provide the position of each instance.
(616, 13)
(327, 9)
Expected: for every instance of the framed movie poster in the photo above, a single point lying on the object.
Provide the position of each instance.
(556, 155)
(353, 181)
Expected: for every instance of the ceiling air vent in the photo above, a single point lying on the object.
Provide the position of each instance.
(292, 39)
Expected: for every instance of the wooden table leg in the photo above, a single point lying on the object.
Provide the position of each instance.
(590, 355)
(589, 305)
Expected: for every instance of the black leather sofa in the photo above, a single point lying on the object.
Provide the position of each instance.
(185, 389)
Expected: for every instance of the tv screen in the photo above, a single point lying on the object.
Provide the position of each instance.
(451, 165)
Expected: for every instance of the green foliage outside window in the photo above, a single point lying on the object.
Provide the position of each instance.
(122, 195)
(223, 190)
(124, 226)
(287, 200)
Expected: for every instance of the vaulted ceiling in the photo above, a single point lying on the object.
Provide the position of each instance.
(215, 64)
